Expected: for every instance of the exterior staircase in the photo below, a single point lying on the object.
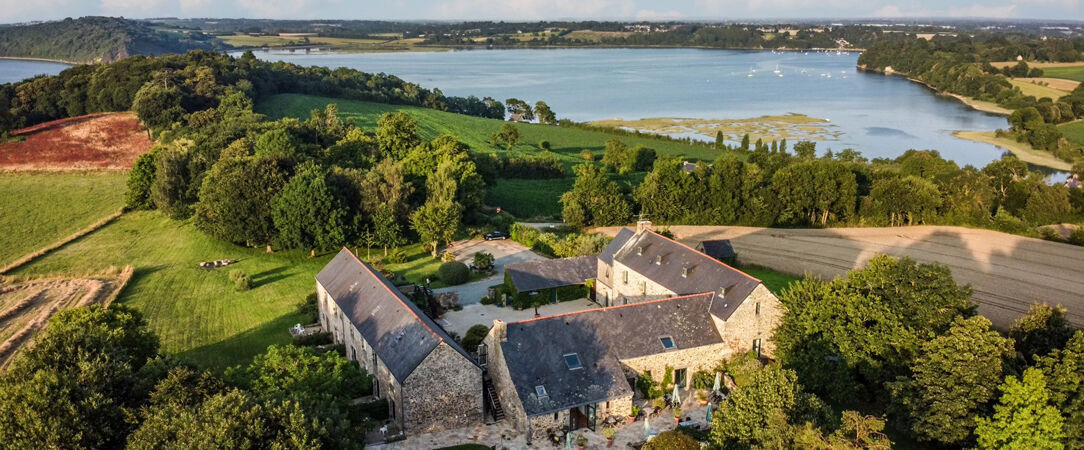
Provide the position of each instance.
(492, 401)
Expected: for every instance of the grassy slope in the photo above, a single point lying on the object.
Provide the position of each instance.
(774, 281)
(39, 209)
(1069, 73)
(1073, 131)
(1038, 91)
(524, 198)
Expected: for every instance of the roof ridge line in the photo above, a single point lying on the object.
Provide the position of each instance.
(728, 266)
(609, 308)
(393, 294)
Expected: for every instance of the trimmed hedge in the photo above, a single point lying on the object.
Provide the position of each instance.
(453, 273)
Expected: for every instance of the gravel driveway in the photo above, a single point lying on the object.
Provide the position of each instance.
(504, 252)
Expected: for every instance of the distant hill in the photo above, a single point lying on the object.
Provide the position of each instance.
(96, 39)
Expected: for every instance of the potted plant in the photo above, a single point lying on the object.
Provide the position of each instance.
(581, 441)
(634, 413)
(677, 416)
(609, 433)
(702, 397)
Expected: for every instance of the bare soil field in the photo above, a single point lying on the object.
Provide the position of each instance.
(1056, 83)
(95, 141)
(1008, 273)
(27, 305)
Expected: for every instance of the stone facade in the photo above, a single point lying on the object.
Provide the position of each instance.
(445, 391)
(754, 321)
(692, 360)
(497, 367)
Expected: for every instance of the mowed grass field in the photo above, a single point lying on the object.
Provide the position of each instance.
(524, 198)
(37, 209)
(1073, 131)
(1036, 90)
(1075, 73)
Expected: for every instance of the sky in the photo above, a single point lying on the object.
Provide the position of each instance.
(529, 10)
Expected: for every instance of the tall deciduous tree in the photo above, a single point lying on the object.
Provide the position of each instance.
(386, 185)
(1042, 330)
(436, 221)
(594, 200)
(388, 232)
(953, 379)
(235, 199)
(1023, 418)
(508, 135)
(1063, 371)
(170, 192)
(812, 192)
(307, 213)
(904, 200)
(544, 113)
(396, 134)
(140, 183)
(762, 412)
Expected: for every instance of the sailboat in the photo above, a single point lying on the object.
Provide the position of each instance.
(777, 72)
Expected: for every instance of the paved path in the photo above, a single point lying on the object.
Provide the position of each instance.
(1007, 272)
(479, 314)
(504, 252)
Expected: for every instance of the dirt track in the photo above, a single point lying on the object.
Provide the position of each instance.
(1008, 273)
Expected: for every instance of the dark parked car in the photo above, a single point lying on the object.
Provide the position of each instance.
(496, 235)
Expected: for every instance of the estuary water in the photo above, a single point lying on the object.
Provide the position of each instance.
(877, 115)
(12, 70)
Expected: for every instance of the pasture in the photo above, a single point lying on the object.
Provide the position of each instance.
(38, 209)
(523, 198)
(1073, 131)
(1036, 90)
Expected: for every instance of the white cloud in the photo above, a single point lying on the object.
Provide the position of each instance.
(292, 9)
(973, 10)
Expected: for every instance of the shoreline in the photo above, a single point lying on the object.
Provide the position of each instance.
(977, 105)
(1021, 150)
(30, 58)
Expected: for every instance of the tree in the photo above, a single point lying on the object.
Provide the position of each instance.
(1063, 371)
(1023, 417)
(276, 143)
(520, 110)
(904, 200)
(762, 412)
(720, 140)
(474, 337)
(1042, 330)
(616, 155)
(158, 106)
(858, 432)
(307, 214)
(594, 200)
(954, 377)
(672, 440)
(140, 183)
(456, 179)
(387, 229)
(170, 192)
(289, 372)
(806, 149)
(544, 113)
(745, 142)
(544, 145)
(236, 197)
(386, 185)
(508, 134)
(436, 221)
(1047, 204)
(396, 135)
(814, 191)
(641, 158)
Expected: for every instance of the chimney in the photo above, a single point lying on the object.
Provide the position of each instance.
(644, 225)
(500, 331)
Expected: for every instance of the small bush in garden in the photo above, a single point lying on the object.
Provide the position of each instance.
(488, 301)
(397, 256)
(453, 273)
(312, 340)
(672, 440)
(587, 155)
(474, 337)
(447, 257)
(483, 261)
(241, 281)
(544, 145)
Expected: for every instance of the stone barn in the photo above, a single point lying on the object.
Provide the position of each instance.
(429, 381)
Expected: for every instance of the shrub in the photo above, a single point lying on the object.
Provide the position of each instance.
(483, 261)
(312, 340)
(376, 410)
(703, 379)
(502, 221)
(533, 167)
(1077, 236)
(240, 280)
(307, 308)
(544, 145)
(672, 440)
(587, 155)
(453, 273)
(447, 257)
(474, 337)
(487, 301)
(397, 256)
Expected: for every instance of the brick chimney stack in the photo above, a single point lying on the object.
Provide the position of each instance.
(644, 225)
(500, 330)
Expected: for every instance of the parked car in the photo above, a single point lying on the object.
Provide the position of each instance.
(496, 235)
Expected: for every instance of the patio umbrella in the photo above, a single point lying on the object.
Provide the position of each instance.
(568, 441)
(718, 376)
(709, 413)
(647, 425)
(676, 396)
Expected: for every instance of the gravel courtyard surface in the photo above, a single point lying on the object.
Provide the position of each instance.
(504, 252)
(1008, 272)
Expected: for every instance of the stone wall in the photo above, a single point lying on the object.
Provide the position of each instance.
(635, 286)
(443, 392)
(692, 360)
(745, 325)
(497, 368)
(542, 425)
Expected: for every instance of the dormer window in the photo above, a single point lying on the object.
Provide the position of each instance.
(572, 360)
(658, 260)
(639, 250)
(667, 342)
(684, 272)
(540, 391)
(722, 292)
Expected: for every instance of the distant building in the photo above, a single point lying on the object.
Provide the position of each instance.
(664, 305)
(429, 381)
(719, 249)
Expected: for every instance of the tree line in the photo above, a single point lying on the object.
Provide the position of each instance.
(765, 185)
(961, 65)
(96, 39)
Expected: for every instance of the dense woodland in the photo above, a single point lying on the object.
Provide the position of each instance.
(961, 65)
(96, 39)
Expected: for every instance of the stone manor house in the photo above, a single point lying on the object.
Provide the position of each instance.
(662, 304)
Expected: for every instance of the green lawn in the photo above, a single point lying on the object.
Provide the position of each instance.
(39, 209)
(1068, 73)
(1073, 131)
(774, 281)
(523, 198)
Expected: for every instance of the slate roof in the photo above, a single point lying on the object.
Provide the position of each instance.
(718, 249)
(402, 335)
(535, 349)
(662, 260)
(536, 275)
(623, 236)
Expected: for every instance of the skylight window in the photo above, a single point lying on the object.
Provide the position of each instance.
(541, 391)
(667, 342)
(572, 360)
